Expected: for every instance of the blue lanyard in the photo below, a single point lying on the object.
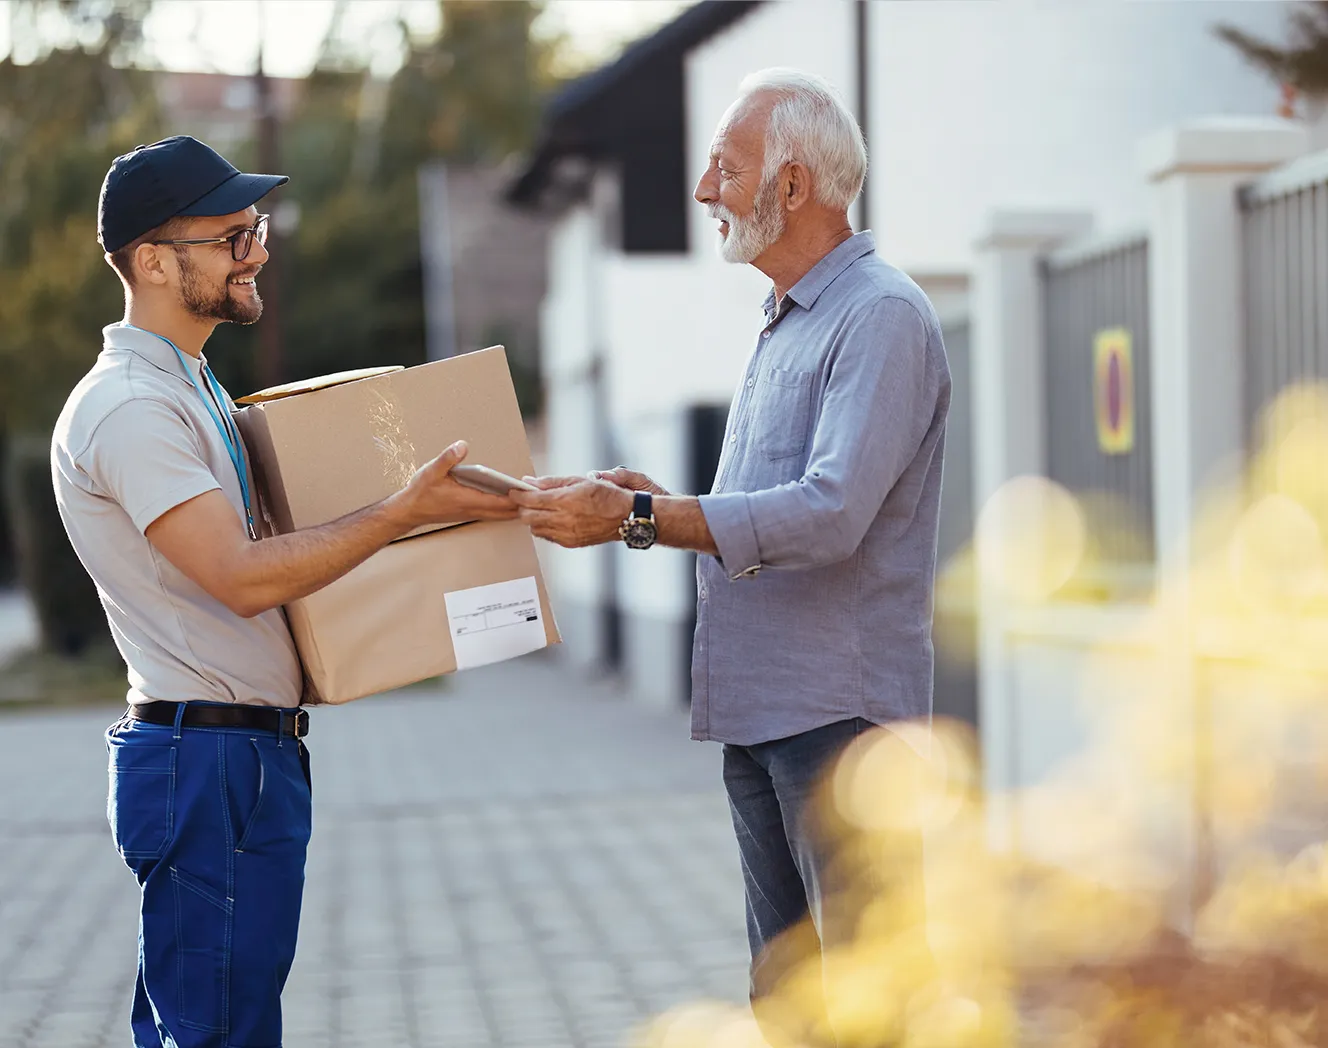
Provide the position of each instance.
(229, 434)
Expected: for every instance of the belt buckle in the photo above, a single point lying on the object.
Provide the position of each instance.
(300, 724)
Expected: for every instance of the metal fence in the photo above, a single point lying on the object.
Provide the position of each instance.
(955, 692)
(956, 523)
(1099, 429)
(1285, 218)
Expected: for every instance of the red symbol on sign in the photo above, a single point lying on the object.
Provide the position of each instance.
(1113, 390)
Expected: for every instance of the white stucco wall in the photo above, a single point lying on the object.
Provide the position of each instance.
(568, 321)
(976, 105)
(677, 335)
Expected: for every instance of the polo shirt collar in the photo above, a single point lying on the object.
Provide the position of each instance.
(807, 290)
(152, 348)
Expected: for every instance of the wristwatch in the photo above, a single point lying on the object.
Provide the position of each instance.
(638, 530)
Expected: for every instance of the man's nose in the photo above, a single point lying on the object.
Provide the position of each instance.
(257, 253)
(705, 190)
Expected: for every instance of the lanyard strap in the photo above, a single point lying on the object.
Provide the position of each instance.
(229, 434)
(233, 444)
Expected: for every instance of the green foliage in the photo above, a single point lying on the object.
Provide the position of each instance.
(351, 272)
(68, 611)
(63, 116)
(353, 289)
(61, 121)
(1302, 63)
(472, 96)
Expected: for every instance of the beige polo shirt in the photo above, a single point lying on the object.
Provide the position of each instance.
(135, 439)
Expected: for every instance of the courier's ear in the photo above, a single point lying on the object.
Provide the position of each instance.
(149, 265)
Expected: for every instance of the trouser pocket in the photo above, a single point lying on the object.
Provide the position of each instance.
(140, 801)
(202, 929)
(245, 830)
(268, 794)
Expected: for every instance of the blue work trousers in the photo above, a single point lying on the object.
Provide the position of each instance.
(214, 823)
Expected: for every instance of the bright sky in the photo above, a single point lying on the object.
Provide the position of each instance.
(223, 35)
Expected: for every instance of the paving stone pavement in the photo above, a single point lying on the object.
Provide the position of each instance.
(517, 860)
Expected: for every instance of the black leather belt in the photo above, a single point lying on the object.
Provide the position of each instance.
(254, 718)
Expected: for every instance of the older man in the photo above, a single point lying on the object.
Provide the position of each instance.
(814, 613)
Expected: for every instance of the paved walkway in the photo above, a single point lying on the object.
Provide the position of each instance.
(515, 860)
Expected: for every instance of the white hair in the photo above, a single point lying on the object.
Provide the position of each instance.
(810, 123)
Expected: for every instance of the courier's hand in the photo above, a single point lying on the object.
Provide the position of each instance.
(629, 479)
(574, 511)
(433, 496)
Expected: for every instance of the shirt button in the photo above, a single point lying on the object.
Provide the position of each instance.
(751, 383)
(733, 439)
(765, 334)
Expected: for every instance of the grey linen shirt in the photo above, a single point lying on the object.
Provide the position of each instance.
(824, 511)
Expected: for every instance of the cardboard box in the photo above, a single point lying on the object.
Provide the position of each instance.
(327, 447)
(432, 603)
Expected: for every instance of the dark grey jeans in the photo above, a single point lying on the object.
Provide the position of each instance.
(803, 895)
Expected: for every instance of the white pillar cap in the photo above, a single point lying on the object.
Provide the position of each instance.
(1040, 230)
(1221, 145)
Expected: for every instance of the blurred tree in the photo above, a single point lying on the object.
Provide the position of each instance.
(62, 117)
(1302, 63)
(353, 282)
(71, 104)
(474, 94)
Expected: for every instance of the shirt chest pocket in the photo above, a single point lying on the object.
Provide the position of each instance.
(783, 406)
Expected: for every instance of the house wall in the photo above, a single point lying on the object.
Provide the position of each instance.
(578, 579)
(1026, 104)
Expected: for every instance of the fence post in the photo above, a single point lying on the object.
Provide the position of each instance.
(1196, 297)
(1009, 438)
(1197, 314)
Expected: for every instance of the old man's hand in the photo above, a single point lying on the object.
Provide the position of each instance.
(574, 511)
(628, 478)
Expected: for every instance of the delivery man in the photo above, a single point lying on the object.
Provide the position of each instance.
(209, 777)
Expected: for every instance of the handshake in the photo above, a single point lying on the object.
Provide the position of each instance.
(571, 511)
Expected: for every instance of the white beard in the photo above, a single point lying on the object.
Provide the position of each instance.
(749, 237)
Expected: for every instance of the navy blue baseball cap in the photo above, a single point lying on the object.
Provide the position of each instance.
(178, 176)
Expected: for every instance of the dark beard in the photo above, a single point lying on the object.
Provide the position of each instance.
(201, 301)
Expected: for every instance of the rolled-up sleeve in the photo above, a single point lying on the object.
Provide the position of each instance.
(730, 521)
(881, 397)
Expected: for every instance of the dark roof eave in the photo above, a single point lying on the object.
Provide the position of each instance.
(562, 132)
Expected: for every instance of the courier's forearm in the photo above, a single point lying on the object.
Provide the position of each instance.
(283, 568)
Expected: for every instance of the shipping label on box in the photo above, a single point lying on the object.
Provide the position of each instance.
(455, 599)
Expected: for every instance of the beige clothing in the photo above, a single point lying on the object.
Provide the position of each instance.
(135, 439)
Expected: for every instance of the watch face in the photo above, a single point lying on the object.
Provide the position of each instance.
(639, 534)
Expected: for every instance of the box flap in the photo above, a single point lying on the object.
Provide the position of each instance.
(308, 385)
(335, 450)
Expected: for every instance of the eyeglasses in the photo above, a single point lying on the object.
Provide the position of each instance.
(241, 243)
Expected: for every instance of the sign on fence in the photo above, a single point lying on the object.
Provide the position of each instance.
(1113, 390)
